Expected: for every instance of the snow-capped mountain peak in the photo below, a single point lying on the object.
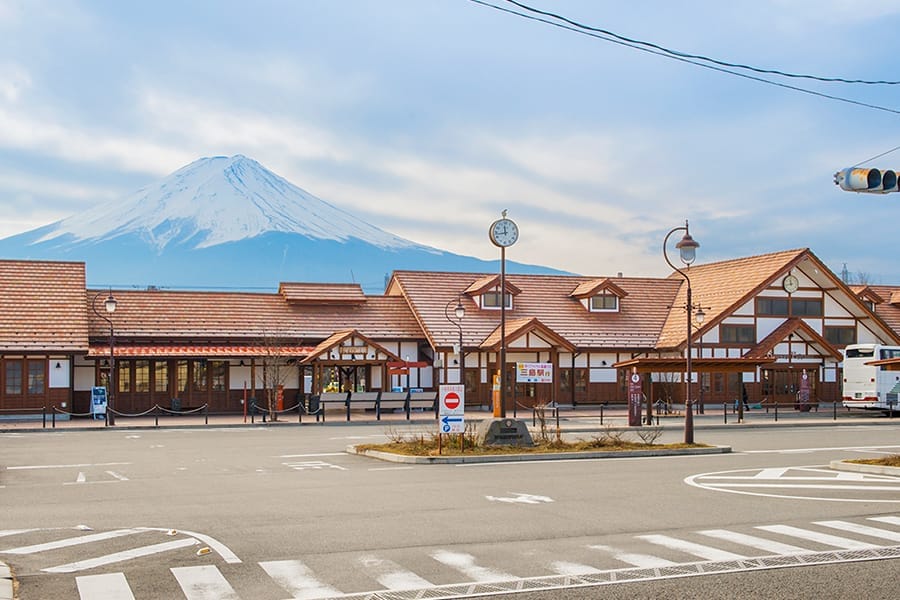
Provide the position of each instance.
(217, 200)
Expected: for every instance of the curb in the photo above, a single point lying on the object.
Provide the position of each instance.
(495, 458)
(843, 465)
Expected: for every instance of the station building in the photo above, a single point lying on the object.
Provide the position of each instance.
(189, 349)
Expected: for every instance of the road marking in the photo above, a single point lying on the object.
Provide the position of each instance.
(391, 575)
(465, 563)
(754, 542)
(521, 498)
(118, 476)
(823, 449)
(73, 541)
(72, 466)
(705, 552)
(220, 548)
(889, 520)
(862, 530)
(109, 586)
(820, 538)
(115, 557)
(81, 477)
(7, 532)
(391, 468)
(645, 561)
(204, 582)
(314, 465)
(569, 568)
(312, 455)
(298, 580)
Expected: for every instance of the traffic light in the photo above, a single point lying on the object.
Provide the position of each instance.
(871, 181)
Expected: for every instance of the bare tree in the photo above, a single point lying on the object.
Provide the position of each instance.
(275, 370)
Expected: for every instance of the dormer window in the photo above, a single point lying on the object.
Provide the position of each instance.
(604, 303)
(492, 300)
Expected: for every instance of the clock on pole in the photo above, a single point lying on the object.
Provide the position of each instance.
(504, 232)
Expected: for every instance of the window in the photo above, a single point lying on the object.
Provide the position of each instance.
(492, 300)
(840, 336)
(806, 307)
(737, 334)
(200, 376)
(14, 377)
(123, 376)
(604, 302)
(772, 306)
(181, 376)
(160, 377)
(142, 376)
(36, 377)
(218, 370)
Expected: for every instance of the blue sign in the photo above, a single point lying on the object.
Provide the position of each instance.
(98, 401)
(450, 424)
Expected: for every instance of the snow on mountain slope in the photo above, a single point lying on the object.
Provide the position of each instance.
(218, 200)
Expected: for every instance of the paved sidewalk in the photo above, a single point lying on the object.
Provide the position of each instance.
(580, 418)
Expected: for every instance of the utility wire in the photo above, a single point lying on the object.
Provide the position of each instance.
(876, 156)
(682, 59)
(698, 56)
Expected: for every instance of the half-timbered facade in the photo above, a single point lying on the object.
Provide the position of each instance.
(185, 349)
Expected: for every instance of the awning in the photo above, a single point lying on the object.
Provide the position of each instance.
(698, 365)
(219, 351)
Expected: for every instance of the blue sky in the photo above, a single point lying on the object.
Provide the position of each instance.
(429, 117)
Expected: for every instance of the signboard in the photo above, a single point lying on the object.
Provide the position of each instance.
(452, 408)
(635, 399)
(534, 373)
(98, 402)
(803, 396)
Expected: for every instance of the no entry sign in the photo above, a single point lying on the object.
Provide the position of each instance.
(452, 400)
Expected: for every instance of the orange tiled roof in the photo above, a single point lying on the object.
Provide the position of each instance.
(239, 316)
(199, 350)
(595, 286)
(490, 282)
(635, 326)
(42, 306)
(322, 293)
(804, 331)
(720, 286)
(888, 311)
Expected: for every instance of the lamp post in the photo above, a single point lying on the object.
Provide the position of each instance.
(687, 248)
(110, 305)
(460, 312)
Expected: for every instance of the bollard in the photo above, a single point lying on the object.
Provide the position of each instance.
(206, 414)
(53, 417)
(776, 412)
(601, 414)
(834, 409)
(156, 416)
(44, 416)
(725, 411)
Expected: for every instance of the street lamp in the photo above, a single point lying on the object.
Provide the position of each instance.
(687, 248)
(110, 305)
(460, 312)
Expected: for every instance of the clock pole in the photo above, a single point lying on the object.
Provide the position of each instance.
(503, 330)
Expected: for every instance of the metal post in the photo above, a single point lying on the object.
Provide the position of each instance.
(502, 332)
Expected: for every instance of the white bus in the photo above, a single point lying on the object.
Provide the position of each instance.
(871, 386)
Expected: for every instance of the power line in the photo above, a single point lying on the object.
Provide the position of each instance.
(696, 56)
(685, 60)
(862, 162)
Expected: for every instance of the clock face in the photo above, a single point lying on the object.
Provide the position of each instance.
(504, 233)
(790, 284)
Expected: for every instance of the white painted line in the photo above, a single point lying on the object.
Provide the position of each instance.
(7, 532)
(312, 455)
(644, 561)
(705, 552)
(754, 542)
(298, 579)
(569, 568)
(118, 476)
(881, 488)
(204, 582)
(465, 563)
(391, 468)
(888, 520)
(73, 466)
(815, 536)
(109, 586)
(109, 559)
(220, 548)
(884, 534)
(72, 541)
(81, 478)
(89, 482)
(391, 575)
(825, 449)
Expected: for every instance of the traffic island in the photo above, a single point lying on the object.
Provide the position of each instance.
(875, 466)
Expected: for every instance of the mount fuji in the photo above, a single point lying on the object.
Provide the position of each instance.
(228, 222)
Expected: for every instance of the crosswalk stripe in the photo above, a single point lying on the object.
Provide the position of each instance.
(72, 541)
(815, 536)
(888, 520)
(884, 534)
(109, 586)
(204, 582)
(391, 575)
(705, 552)
(298, 579)
(569, 568)
(465, 563)
(754, 542)
(100, 561)
(645, 561)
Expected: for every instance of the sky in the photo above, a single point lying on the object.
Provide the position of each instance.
(428, 118)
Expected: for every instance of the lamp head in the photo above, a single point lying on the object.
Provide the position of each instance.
(110, 303)
(700, 316)
(460, 310)
(687, 247)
